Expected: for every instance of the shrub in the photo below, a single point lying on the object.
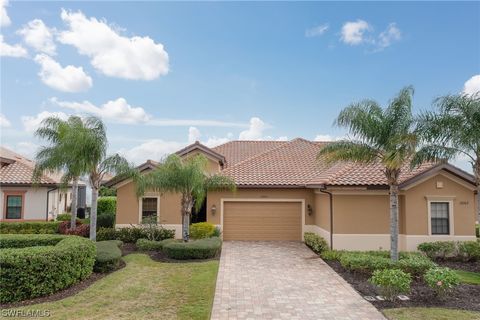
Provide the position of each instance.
(364, 262)
(108, 256)
(438, 249)
(202, 230)
(106, 220)
(64, 226)
(477, 230)
(132, 234)
(151, 245)
(217, 233)
(331, 255)
(442, 280)
(469, 250)
(106, 205)
(82, 230)
(196, 249)
(104, 234)
(416, 265)
(49, 268)
(451, 250)
(64, 217)
(391, 282)
(29, 240)
(315, 242)
(29, 227)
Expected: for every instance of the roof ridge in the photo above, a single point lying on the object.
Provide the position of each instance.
(286, 143)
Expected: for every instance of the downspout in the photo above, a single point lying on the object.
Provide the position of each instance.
(48, 192)
(330, 195)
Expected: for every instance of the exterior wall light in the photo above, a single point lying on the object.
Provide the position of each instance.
(213, 210)
(309, 209)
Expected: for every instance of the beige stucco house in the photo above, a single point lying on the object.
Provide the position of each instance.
(283, 190)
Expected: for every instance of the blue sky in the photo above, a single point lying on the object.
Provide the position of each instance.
(164, 74)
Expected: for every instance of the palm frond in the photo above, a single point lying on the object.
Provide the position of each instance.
(345, 150)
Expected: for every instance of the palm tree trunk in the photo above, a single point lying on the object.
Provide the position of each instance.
(93, 214)
(394, 222)
(476, 171)
(73, 206)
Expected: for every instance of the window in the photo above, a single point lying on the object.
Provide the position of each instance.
(440, 215)
(149, 208)
(14, 207)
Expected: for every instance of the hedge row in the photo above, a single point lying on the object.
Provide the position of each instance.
(205, 248)
(49, 268)
(132, 234)
(28, 240)
(196, 249)
(29, 227)
(108, 255)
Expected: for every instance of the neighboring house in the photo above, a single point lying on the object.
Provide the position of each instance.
(22, 200)
(284, 191)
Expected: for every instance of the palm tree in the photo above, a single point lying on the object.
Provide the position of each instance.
(383, 136)
(61, 154)
(454, 130)
(186, 176)
(94, 150)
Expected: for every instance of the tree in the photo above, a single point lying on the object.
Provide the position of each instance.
(94, 149)
(379, 135)
(61, 155)
(186, 176)
(452, 130)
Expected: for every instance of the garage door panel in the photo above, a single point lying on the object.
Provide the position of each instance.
(262, 221)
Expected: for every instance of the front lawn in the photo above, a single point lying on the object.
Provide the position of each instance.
(144, 289)
(430, 314)
(469, 277)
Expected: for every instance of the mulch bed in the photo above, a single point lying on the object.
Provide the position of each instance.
(70, 291)
(128, 248)
(466, 297)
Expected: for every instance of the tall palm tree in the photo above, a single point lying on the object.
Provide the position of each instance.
(452, 130)
(187, 176)
(379, 135)
(94, 150)
(61, 154)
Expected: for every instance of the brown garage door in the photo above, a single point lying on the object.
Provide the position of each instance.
(262, 221)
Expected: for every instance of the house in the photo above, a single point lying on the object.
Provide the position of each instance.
(22, 200)
(283, 190)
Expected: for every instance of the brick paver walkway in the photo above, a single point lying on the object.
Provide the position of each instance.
(283, 280)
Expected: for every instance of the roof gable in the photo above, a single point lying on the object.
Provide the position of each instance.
(197, 146)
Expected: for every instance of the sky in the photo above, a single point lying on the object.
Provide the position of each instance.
(162, 75)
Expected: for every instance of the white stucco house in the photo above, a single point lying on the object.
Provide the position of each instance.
(22, 201)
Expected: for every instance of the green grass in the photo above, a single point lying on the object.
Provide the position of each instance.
(430, 314)
(144, 289)
(469, 277)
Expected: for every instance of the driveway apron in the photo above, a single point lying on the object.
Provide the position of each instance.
(283, 280)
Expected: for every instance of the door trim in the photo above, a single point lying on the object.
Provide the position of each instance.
(302, 202)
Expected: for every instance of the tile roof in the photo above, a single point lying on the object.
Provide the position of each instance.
(295, 163)
(20, 171)
(237, 151)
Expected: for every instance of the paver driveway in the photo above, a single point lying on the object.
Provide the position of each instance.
(283, 280)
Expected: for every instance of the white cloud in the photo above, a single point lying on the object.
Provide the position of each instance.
(282, 138)
(116, 110)
(31, 123)
(193, 134)
(353, 32)
(37, 35)
(4, 122)
(4, 18)
(255, 130)
(154, 149)
(66, 79)
(327, 137)
(316, 31)
(387, 37)
(472, 85)
(137, 58)
(15, 51)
